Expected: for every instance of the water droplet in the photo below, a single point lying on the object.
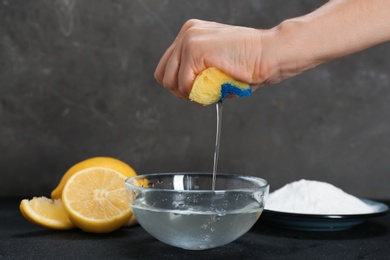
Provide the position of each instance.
(178, 204)
(216, 218)
(221, 212)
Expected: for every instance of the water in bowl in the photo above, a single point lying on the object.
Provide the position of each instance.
(196, 230)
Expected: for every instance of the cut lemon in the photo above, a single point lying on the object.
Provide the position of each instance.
(95, 200)
(106, 162)
(46, 212)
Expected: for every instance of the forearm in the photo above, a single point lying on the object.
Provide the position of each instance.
(338, 28)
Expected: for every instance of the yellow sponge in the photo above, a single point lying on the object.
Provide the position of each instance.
(213, 85)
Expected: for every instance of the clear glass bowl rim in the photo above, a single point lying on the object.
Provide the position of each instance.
(262, 183)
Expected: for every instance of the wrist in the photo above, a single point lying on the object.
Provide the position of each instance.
(287, 50)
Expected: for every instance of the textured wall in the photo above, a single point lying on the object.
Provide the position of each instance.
(76, 81)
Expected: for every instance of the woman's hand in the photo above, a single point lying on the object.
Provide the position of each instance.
(201, 44)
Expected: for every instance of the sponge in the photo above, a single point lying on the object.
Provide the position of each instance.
(212, 85)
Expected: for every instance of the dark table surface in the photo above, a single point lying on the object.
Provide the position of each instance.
(19, 239)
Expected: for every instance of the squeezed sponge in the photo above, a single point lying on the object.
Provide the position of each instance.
(213, 85)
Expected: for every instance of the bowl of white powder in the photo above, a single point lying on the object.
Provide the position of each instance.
(318, 206)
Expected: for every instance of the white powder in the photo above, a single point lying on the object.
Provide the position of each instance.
(315, 197)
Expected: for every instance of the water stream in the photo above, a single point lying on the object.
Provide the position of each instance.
(217, 141)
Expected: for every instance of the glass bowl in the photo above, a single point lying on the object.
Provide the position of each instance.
(181, 209)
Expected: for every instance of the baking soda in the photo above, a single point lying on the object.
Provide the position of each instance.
(315, 197)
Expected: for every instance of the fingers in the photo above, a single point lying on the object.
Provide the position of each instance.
(186, 78)
(160, 69)
(170, 80)
(166, 72)
(168, 68)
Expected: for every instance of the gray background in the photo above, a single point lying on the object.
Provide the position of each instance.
(76, 81)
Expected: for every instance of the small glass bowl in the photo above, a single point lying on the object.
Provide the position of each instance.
(182, 210)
